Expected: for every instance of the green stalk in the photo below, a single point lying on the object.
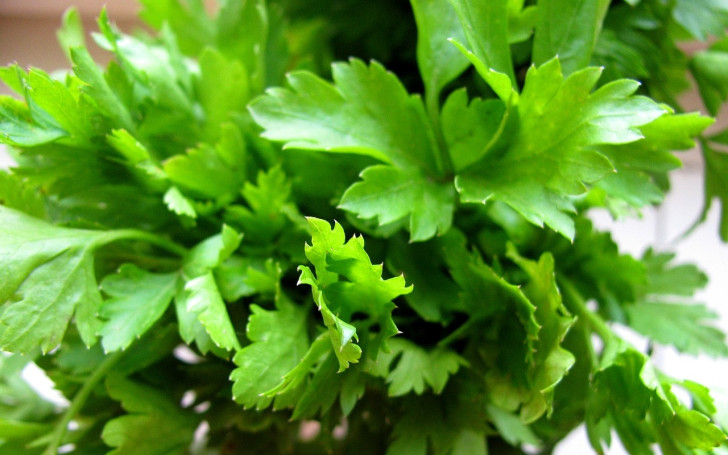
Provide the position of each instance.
(136, 234)
(576, 304)
(432, 105)
(79, 400)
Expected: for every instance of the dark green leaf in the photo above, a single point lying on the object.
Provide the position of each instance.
(153, 425)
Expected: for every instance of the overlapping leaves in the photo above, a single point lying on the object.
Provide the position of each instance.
(545, 156)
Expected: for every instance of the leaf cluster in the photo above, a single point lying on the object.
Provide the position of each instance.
(285, 227)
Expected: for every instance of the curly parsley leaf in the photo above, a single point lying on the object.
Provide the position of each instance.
(551, 361)
(345, 283)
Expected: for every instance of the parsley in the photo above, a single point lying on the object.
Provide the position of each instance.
(277, 213)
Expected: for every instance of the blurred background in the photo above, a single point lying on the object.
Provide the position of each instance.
(27, 36)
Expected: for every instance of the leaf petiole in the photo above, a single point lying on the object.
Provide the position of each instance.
(576, 304)
(79, 400)
(136, 234)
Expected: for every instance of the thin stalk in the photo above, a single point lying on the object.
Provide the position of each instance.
(458, 333)
(79, 400)
(136, 234)
(576, 304)
(432, 104)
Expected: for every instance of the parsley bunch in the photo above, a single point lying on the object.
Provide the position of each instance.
(356, 227)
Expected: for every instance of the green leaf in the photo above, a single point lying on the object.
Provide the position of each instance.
(551, 361)
(426, 425)
(211, 252)
(366, 111)
(242, 277)
(417, 367)
(193, 27)
(278, 343)
(223, 88)
(204, 172)
(18, 128)
(485, 25)
(695, 430)
(179, 203)
(15, 194)
(511, 427)
(204, 300)
(567, 29)
(53, 99)
(685, 326)
(374, 116)
(156, 71)
(716, 186)
(137, 300)
(423, 264)
(71, 33)
(499, 82)
(663, 278)
(472, 128)
(521, 21)
(149, 408)
(99, 91)
(709, 69)
(438, 61)
(636, 163)
(702, 18)
(201, 312)
(46, 278)
(390, 194)
(549, 158)
(321, 392)
(21, 403)
(343, 335)
(243, 30)
(270, 217)
(362, 290)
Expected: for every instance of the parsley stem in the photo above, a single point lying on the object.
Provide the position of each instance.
(137, 234)
(576, 304)
(79, 400)
(432, 104)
